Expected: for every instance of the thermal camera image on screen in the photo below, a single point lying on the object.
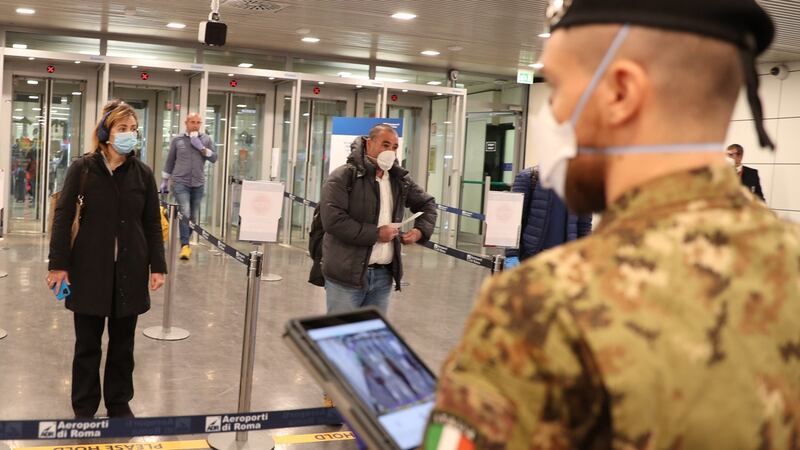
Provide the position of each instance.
(380, 369)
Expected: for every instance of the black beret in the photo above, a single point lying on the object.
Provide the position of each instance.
(741, 22)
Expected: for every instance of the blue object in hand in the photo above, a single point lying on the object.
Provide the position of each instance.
(197, 143)
(62, 291)
(511, 262)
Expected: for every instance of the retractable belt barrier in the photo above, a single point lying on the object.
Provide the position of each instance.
(213, 240)
(445, 208)
(166, 426)
(489, 263)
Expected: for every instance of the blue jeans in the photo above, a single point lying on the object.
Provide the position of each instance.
(188, 199)
(375, 293)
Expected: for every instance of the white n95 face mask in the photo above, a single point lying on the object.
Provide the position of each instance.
(386, 160)
(559, 144)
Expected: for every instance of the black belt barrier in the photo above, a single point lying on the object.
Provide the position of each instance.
(213, 240)
(495, 264)
(489, 263)
(216, 242)
(166, 426)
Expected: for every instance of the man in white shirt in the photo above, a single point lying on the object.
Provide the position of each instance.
(360, 201)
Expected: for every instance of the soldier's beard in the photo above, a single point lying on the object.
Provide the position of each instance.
(586, 184)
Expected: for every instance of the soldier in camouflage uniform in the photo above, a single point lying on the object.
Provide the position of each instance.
(676, 325)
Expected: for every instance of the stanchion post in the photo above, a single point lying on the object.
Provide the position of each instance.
(240, 440)
(499, 262)
(166, 332)
(267, 276)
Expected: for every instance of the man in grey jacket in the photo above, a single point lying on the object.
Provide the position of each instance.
(187, 157)
(361, 253)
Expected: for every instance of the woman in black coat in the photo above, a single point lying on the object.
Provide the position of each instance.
(117, 252)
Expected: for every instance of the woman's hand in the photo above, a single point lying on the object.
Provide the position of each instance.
(55, 277)
(156, 281)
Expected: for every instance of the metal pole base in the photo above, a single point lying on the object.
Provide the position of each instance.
(271, 277)
(227, 441)
(2, 335)
(160, 333)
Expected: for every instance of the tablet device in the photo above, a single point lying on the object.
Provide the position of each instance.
(378, 384)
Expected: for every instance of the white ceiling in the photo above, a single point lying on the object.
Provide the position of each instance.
(496, 36)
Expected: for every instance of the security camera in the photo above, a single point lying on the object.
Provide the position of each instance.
(780, 72)
(213, 31)
(452, 75)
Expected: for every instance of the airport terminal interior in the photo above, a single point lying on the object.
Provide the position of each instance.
(462, 77)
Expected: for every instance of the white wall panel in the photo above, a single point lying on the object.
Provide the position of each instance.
(770, 99)
(790, 96)
(788, 141)
(784, 191)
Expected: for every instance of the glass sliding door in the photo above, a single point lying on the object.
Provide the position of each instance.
(46, 120)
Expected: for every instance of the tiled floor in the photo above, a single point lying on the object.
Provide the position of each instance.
(200, 375)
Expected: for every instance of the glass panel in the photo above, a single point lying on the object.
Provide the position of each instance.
(151, 52)
(215, 123)
(85, 46)
(411, 118)
(227, 58)
(246, 151)
(370, 110)
(316, 127)
(331, 68)
(490, 151)
(66, 119)
(27, 130)
(396, 75)
(299, 187)
(158, 111)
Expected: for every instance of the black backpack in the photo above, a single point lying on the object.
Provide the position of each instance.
(315, 238)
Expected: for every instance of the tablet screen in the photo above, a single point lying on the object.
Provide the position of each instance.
(385, 373)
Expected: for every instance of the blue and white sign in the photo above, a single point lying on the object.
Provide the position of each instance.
(347, 129)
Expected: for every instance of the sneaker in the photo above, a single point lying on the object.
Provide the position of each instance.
(326, 401)
(186, 252)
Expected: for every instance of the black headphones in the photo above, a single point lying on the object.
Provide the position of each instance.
(103, 133)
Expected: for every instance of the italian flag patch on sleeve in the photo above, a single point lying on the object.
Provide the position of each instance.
(448, 433)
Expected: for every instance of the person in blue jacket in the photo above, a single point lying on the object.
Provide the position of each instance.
(546, 222)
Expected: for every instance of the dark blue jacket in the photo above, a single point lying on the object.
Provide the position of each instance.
(536, 218)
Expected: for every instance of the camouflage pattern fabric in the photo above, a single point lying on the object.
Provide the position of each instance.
(676, 325)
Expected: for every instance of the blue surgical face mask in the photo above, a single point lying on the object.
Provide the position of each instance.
(125, 143)
(559, 144)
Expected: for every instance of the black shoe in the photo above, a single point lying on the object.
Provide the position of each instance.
(83, 415)
(123, 412)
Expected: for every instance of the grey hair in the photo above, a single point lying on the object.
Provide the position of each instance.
(380, 128)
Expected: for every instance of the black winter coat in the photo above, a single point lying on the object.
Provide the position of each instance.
(124, 207)
(350, 217)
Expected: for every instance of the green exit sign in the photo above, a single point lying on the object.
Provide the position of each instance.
(524, 76)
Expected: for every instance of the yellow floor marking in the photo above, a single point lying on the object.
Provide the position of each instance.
(172, 445)
(318, 437)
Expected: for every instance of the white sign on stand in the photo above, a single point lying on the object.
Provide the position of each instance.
(260, 210)
(503, 219)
